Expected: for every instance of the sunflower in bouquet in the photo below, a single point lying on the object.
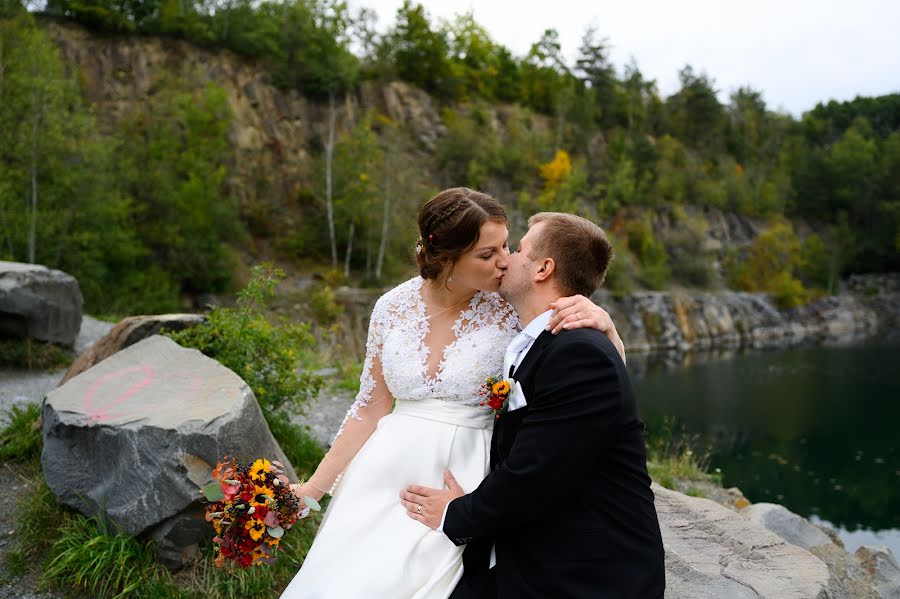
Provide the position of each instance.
(250, 509)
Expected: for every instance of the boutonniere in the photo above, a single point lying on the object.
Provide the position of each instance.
(496, 393)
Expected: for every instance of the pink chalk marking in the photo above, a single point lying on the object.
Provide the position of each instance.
(99, 413)
(102, 412)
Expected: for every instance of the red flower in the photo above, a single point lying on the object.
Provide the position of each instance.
(260, 511)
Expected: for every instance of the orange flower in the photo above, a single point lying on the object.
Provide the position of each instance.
(501, 388)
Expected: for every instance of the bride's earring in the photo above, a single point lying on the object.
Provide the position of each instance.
(449, 279)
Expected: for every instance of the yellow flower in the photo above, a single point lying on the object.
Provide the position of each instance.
(259, 469)
(258, 554)
(261, 495)
(256, 528)
(272, 541)
(217, 524)
(501, 388)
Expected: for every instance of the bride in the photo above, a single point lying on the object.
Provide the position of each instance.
(432, 342)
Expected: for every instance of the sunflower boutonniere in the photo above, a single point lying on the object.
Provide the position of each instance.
(496, 393)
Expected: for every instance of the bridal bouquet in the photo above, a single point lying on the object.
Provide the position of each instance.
(250, 509)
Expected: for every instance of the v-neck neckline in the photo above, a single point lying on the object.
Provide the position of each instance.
(424, 326)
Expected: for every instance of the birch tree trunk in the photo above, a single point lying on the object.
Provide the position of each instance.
(329, 201)
(384, 226)
(349, 248)
(37, 108)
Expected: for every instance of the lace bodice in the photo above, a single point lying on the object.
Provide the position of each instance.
(397, 331)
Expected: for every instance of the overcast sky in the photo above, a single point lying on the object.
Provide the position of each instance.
(796, 52)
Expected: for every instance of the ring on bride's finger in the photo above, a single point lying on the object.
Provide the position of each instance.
(577, 317)
(418, 509)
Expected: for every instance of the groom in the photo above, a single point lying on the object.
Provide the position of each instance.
(567, 509)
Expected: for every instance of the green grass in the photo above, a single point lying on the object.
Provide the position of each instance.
(675, 456)
(33, 355)
(20, 441)
(89, 556)
(38, 518)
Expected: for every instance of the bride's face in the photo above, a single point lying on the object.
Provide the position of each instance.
(483, 266)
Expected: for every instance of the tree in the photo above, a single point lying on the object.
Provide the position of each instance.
(594, 69)
(418, 52)
(696, 115)
(174, 161)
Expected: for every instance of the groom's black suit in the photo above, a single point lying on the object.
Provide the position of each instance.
(568, 501)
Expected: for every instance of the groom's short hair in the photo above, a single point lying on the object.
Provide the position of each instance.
(580, 249)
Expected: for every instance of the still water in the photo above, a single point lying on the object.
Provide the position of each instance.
(816, 430)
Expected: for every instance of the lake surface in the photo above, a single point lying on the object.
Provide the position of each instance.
(816, 430)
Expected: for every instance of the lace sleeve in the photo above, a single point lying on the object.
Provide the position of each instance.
(372, 402)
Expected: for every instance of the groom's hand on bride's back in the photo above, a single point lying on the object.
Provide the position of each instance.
(428, 505)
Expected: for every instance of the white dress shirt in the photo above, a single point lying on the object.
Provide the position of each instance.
(516, 351)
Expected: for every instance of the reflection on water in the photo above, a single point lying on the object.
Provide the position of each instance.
(813, 429)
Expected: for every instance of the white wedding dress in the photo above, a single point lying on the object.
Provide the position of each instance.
(367, 547)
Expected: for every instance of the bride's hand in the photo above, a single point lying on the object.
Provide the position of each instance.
(576, 312)
(306, 490)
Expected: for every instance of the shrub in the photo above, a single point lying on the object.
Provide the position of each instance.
(650, 251)
(265, 355)
(325, 309)
(772, 264)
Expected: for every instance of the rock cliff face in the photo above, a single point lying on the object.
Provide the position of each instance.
(273, 131)
(651, 321)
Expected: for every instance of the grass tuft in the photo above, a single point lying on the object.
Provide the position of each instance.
(88, 556)
(20, 440)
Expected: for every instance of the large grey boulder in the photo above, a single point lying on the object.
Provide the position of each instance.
(137, 435)
(871, 573)
(39, 303)
(879, 562)
(713, 552)
(791, 527)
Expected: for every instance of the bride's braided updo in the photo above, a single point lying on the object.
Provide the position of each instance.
(449, 226)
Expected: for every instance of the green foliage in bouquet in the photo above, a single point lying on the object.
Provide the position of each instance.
(266, 355)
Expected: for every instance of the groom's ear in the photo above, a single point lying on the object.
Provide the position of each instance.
(548, 266)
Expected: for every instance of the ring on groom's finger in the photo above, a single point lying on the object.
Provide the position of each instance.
(418, 509)
(577, 317)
